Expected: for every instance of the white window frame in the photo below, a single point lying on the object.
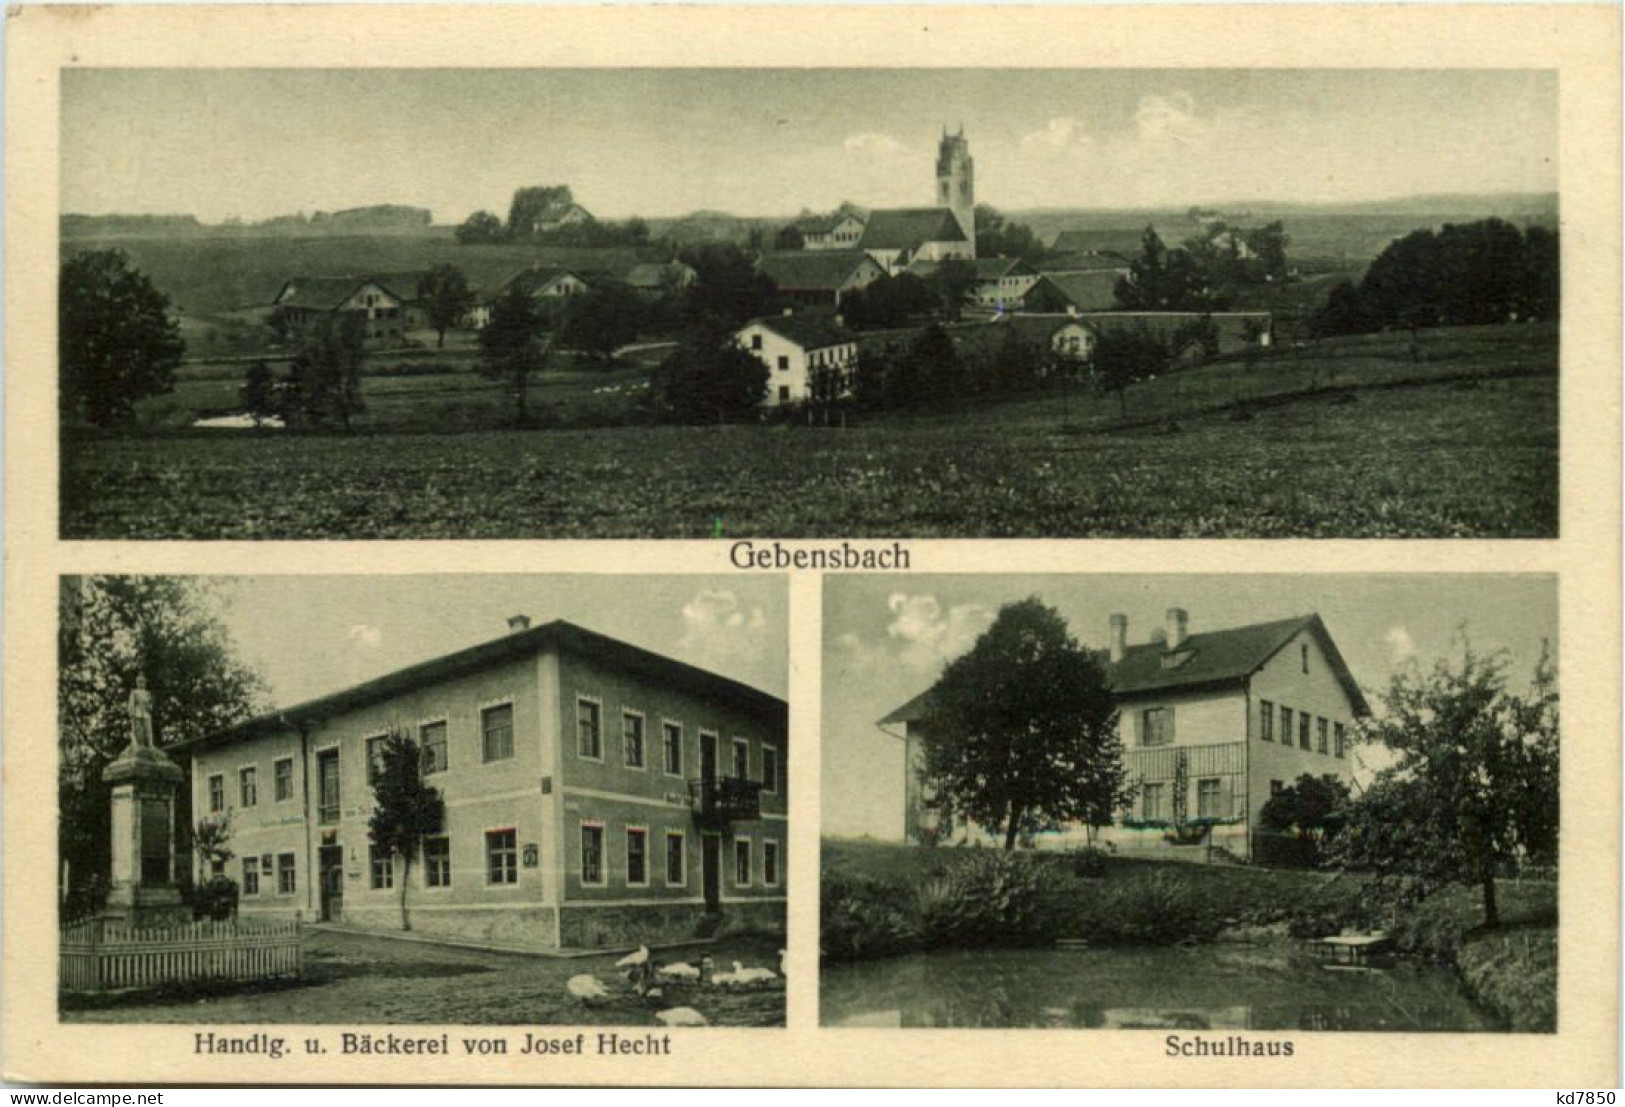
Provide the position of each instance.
(293, 868)
(423, 877)
(778, 863)
(750, 860)
(485, 855)
(366, 756)
(249, 768)
(733, 759)
(631, 829)
(251, 868)
(373, 855)
(575, 720)
(771, 787)
(682, 748)
(293, 789)
(603, 852)
(444, 720)
(643, 725)
(699, 751)
(665, 857)
(208, 798)
(479, 723)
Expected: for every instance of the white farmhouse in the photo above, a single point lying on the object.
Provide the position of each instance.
(794, 349)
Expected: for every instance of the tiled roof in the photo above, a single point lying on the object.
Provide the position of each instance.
(812, 270)
(907, 228)
(1086, 291)
(807, 332)
(1107, 240)
(327, 293)
(559, 635)
(987, 269)
(1215, 659)
(538, 277)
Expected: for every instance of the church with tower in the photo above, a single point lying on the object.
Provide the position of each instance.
(896, 238)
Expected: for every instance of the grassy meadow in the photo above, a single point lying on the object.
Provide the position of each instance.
(1360, 437)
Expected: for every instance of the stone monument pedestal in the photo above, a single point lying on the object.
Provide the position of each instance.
(143, 891)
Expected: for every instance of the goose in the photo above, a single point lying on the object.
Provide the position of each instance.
(635, 959)
(680, 1016)
(743, 978)
(680, 971)
(586, 988)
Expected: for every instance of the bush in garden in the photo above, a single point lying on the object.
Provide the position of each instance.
(861, 917)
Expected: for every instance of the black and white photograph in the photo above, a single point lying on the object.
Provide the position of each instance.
(1196, 804)
(816, 302)
(467, 800)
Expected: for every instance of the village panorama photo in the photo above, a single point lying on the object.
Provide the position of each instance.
(1202, 805)
(629, 303)
(423, 799)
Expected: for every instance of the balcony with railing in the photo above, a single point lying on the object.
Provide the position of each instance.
(1207, 760)
(719, 801)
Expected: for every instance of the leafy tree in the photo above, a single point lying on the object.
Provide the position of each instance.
(602, 321)
(446, 298)
(1018, 364)
(1268, 244)
(888, 302)
(930, 370)
(111, 630)
(709, 378)
(996, 237)
(211, 841)
(953, 282)
(512, 347)
(1312, 807)
(1201, 333)
(1023, 727)
(528, 204)
(258, 393)
(789, 238)
(727, 291)
(481, 229)
(116, 343)
(324, 376)
(1161, 279)
(1343, 313)
(870, 379)
(1123, 355)
(1475, 783)
(1541, 292)
(406, 809)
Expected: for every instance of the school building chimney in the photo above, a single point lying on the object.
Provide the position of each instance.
(1176, 625)
(1119, 637)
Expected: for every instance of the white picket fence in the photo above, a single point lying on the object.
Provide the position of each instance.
(104, 954)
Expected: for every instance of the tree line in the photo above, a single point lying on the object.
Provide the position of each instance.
(1461, 275)
(483, 228)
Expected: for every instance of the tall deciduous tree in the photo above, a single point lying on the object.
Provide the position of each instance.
(481, 229)
(1023, 727)
(446, 298)
(1123, 355)
(953, 282)
(512, 348)
(602, 321)
(111, 630)
(324, 376)
(529, 204)
(116, 343)
(1475, 782)
(258, 393)
(709, 378)
(406, 809)
(1310, 807)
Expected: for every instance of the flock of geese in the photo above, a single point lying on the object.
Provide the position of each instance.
(649, 979)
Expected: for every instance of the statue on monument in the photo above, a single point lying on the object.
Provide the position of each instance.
(141, 713)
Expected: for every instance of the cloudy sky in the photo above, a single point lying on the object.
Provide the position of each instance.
(312, 635)
(254, 143)
(886, 639)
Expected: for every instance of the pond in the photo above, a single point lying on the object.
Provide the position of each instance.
(1222, 987)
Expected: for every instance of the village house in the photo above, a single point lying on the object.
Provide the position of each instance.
(653, 279)
(1073, 290)
(818, 277)
(1212, 725)
(546, 283)
(559, 214)
(1002, 284)
(595, 794)
(1235, 330)
(794, 349)
(305, 302)
(839, 231)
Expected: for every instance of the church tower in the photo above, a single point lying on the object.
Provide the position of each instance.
(956, 181)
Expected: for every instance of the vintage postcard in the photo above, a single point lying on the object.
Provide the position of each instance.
(1138, 488)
